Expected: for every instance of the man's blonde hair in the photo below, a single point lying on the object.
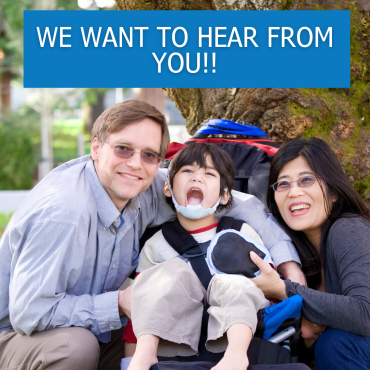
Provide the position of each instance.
(120, 115)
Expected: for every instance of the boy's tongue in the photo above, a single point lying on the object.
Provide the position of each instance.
(194, 197)
(193, 201)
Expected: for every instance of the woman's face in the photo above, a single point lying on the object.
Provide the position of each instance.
(302, 208)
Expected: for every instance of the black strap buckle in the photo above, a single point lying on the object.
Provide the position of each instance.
(195, 251)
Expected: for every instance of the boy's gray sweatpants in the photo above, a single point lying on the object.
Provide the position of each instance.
(168, 301)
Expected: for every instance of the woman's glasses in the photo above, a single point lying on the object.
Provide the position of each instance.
(302, 182)
(124, 152)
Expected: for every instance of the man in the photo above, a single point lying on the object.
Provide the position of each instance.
(75, 240)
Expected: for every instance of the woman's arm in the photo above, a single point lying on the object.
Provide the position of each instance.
(348, 265)
(348, 262)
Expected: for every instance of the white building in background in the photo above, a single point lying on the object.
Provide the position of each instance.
(10, 200)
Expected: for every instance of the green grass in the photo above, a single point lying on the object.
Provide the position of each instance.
(4, 220)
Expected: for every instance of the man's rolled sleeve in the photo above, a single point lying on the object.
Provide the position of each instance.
(284, 252)
(278, 242)
(106, 311)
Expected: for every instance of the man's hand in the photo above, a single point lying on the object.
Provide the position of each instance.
(291, 270)
(310, 332)
(124, 302)
(268, 280)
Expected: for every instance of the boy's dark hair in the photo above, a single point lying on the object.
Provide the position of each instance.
(197, 153)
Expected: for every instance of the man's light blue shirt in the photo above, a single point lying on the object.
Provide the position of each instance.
(68, 249)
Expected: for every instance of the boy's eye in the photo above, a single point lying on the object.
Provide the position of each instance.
(188, 170)
(210, 173)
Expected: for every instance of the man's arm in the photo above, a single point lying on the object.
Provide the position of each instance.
(48, 263)
(124, 302)
(292, 271)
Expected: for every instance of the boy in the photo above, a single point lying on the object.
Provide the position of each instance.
(168, 298)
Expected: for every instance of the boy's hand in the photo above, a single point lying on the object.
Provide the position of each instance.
(291, 270)
(310, 332)
(268, 280)
(124, 302)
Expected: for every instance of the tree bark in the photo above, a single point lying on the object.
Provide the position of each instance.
(340, 116)
(5, 79)
(93, 109)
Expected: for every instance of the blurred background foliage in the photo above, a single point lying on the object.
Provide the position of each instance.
(4, 220)
(19, 149)
(72, 111)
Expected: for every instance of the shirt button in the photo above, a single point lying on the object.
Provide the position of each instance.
(111, 327)
(114, 266)
(105, 229)
(116, 220)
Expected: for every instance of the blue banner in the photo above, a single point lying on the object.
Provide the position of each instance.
(187, 49)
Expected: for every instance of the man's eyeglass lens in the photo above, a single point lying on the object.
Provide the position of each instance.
(303, 182)
(124, 152)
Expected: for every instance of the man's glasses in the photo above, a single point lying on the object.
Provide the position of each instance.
(285, 185)
(124, 152)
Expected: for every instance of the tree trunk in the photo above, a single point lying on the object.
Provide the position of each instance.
(5, 79)
(340, 116)
(93, 109)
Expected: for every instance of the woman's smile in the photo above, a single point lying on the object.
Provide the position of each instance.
(299, 209)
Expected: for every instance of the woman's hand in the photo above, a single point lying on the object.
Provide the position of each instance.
(268, 280)
(310, 332)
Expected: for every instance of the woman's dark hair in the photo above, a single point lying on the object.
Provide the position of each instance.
(198, 153)
(340, 198)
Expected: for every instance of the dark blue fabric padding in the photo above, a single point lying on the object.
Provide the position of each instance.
(275, 315)
(223, 126)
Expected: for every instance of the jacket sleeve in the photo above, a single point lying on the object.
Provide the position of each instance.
(46, 263)
(348, 261)
(252, 211)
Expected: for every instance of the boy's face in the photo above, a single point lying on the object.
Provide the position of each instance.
(194, 185)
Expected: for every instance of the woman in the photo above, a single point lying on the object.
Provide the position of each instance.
(317, 206)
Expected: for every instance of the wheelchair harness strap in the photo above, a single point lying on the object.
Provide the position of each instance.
(184, 244)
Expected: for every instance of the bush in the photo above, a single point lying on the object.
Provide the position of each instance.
(4, 220)
(19, 147)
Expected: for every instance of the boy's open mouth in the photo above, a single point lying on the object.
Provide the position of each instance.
(194, 196)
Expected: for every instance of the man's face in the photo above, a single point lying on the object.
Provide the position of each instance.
(124, 179)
